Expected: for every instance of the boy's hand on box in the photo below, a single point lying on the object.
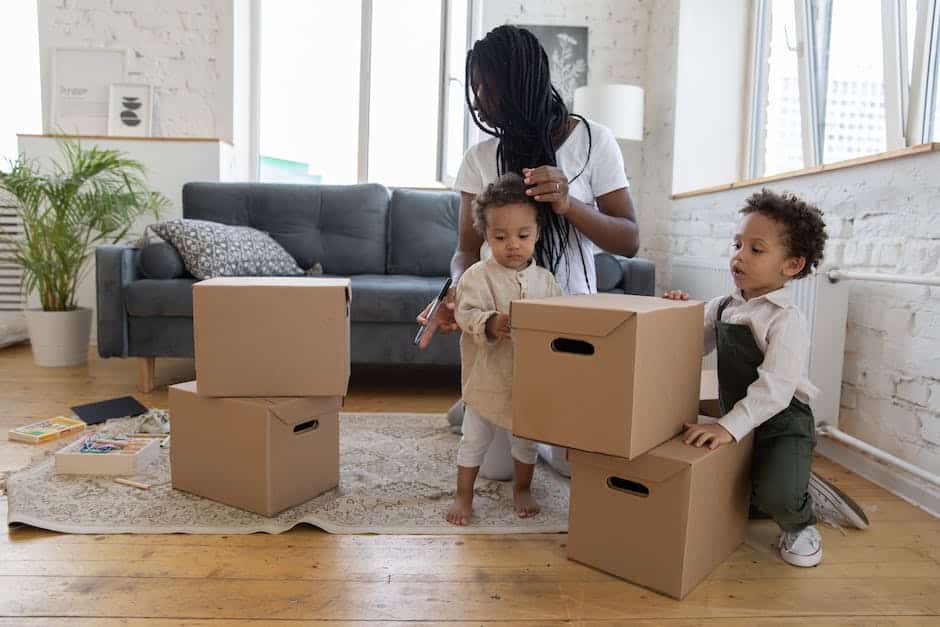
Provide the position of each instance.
(497, 327)
(711, 435)
(676, 295)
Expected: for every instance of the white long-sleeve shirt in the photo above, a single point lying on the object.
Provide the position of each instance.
(780, 333)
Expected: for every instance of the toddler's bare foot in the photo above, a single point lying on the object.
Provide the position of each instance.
(526, 505)
(459, 512)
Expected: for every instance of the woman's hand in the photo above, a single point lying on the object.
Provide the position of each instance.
(443, 320)
(676, 295)
(497, 327)
(712, 435)
(548, 184)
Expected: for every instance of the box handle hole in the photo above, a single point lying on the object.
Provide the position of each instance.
(630, 487)
(310, 425)
(575, 347)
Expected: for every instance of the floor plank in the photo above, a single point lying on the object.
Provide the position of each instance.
(888, 575)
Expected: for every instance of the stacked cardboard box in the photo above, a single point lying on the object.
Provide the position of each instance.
(259, 428)
(614, 379)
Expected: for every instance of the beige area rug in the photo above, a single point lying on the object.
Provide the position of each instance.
(397, 474)
(12, 329)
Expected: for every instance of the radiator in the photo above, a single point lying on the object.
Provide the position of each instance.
(824, 304)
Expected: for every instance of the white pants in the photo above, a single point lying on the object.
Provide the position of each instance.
(479, 433)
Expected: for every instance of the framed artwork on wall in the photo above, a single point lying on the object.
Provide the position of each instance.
(567, 50)
(80, 80)
(130, 110)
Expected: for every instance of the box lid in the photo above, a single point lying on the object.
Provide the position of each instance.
(596, 315)
(644, 469)
(656, 466)
(275, 281)
(564, 315)
(293, 411)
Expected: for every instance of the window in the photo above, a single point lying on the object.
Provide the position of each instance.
(854, 110)
(309, 92)
(405, 92)
(783, 144)
(19, 44)
(839, 79)
(361, 91)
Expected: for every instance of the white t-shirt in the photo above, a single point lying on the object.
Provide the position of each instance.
(604, 173)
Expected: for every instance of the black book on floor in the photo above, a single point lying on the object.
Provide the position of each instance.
(93, 413)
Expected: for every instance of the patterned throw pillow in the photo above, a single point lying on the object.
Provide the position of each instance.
(212, 249)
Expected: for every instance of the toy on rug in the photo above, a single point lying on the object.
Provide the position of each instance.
(46, 430)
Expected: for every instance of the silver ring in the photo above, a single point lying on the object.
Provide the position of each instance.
(557, 187)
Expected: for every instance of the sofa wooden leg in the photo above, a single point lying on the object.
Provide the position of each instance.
(145, 380)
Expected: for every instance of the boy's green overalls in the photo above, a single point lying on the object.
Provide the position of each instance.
(783, 446)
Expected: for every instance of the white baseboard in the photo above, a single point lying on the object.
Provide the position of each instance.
(916, 492)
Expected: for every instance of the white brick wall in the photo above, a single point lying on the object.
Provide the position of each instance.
(175, 45)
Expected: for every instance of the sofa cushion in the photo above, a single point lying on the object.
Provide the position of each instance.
(390, 297)
(422, 232)
(160, 260)
(342, 227)
(171, 297)
(609, 272)
(210, 249)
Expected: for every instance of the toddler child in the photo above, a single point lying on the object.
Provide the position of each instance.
(509, 221)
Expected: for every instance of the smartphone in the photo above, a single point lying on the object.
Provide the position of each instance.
(433, 311)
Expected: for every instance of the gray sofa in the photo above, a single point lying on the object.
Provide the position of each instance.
(395, 246)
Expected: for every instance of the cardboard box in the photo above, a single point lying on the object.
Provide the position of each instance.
(260, 454)
(664, 520)
(271, 336)
(708, 395)
(605, 373)
(131, 460)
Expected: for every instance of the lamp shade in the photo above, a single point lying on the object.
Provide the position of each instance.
(618, 107)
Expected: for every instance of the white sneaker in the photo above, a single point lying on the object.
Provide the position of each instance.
(801, 548)
(833, 506)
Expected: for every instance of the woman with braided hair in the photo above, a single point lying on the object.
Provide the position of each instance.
(572, 168)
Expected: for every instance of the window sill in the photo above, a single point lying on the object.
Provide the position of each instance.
(126, 138)
(829, 167)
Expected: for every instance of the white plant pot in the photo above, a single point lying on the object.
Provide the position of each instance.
(59, 338)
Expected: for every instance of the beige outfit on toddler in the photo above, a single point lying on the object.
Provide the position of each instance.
(485, 289)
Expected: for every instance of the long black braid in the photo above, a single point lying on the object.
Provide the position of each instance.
(529, 118)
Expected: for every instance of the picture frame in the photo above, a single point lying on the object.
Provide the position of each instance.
(80, 82)
(568, 51)
(130, 110)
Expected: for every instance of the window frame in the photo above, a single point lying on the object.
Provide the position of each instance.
(925, 82)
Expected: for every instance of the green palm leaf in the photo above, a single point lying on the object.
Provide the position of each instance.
(92, 197)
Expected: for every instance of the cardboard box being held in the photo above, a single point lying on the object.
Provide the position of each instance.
(605, 373)
(271, 336)
(260, 454)
(664, 520)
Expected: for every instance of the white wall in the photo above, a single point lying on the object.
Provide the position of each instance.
(182, 47)
(710, 93)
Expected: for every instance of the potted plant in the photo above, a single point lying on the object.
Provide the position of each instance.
(93, 197)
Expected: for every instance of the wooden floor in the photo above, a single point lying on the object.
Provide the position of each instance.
(888, 575)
